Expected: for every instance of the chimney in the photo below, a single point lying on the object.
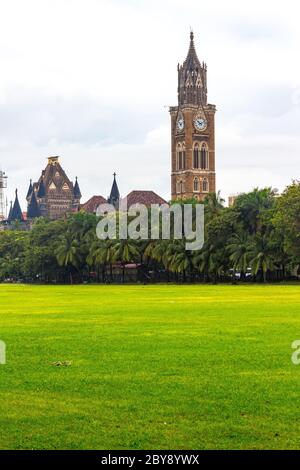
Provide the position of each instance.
(52, 160)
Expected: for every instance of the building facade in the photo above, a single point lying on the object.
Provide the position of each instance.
(53, 195)
(192, 132)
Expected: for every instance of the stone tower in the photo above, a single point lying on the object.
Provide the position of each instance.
(193, 132)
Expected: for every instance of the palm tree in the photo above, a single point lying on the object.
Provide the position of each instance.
(213, 205)
(252, 205)
(158, 251)
(82, 225)
(282, 257)
(108, 255)
(238, 249)
(207, 262)
(68, 253)
(125, 251)
(180, 259)
(95, 257)
(261, 256)
(149, 249)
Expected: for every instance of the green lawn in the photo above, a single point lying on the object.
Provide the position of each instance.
(153, 367)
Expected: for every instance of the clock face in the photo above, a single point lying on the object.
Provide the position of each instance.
(180, 124)
(200, 123)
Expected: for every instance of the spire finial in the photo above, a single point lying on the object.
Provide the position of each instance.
(16, 192)
(114, 174)
(192, 35)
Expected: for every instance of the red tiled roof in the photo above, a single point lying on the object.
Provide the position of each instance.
(92, 204)
(144, 197)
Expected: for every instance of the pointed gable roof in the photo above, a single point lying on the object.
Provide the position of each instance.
(33, 208)
(77, 193)
(55, 175)
(16, 212)
(10, 210)
(53, 181)
(114, 193)
(30, 189)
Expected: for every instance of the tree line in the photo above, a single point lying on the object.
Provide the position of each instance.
(257, 239)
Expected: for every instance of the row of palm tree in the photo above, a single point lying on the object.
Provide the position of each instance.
(257, 238)
(243, 256)
(251, 246)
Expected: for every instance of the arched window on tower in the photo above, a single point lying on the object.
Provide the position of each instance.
(196, 185)
(180, 187)
(196, 159)
(180, 156)
(204, 157)
(183, 156)
(205, 185)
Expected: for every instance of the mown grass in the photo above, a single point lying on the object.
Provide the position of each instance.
(153, 367)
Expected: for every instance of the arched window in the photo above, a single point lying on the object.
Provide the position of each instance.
(180, 157)
(196, 184)
(180, 187)
(205, 185)
(196, 159)
(183, 157)
(204, 157)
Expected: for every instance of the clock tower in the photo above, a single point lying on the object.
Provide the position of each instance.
(193, 132)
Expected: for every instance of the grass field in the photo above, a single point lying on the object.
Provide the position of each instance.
(153, 367)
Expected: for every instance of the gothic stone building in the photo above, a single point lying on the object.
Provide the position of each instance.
(193, 132)
(53, 195)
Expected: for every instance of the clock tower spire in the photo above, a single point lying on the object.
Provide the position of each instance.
(192, 75)
(193, 132)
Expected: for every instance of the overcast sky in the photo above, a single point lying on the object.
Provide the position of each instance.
(91, 81)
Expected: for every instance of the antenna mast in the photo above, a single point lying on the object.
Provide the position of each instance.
(3, 205)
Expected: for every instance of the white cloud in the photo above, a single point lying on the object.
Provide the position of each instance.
(89, 79)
